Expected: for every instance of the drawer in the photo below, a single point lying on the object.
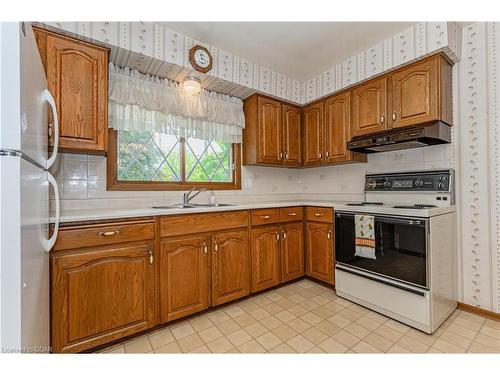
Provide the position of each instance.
(104, 234)
(324, 214)
(265, 216)
(291, 214)
(177, 225)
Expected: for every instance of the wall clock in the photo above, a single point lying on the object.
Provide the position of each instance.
(200, 59)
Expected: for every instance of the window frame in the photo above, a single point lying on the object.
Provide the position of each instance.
(112, 182)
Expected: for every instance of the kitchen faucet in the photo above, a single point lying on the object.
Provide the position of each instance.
(188, 196)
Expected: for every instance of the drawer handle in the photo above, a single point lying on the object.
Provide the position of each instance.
(109, 233)
(292, 214)
(150, 257)
(265, 216)
(318, 214)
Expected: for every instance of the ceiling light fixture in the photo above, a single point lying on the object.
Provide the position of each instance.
(192, 85)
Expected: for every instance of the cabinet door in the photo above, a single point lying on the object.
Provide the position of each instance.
(265, 257)
(313, 134)
(320, 251)
(101, 294)
(270, 131)
(183, 276)
(292, 251)
(369, 106)
(230, 266)
(77, 77)
(337, 128)
(291, 135)
(415, 94)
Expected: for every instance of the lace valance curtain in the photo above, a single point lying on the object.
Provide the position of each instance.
(142, 102)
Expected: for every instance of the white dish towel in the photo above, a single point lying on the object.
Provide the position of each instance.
(365, 236)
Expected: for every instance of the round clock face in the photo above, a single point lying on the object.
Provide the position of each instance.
(202, 58)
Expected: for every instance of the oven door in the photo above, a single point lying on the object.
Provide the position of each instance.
(400, 247)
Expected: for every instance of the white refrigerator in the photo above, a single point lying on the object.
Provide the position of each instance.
(24, 192)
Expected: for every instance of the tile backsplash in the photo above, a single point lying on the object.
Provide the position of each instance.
(82, 180)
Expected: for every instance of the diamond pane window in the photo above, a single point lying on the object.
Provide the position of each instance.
(208, 161)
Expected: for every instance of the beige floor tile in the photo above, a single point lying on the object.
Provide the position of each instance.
(262, 301)
(139, 345)
(274, 296)
(182, 330)
(356, 330)
(251, 347)
(285, 303)
(115, 349)
(377, 317)
(492, 324)
(323, 312)
(210, 334)
(309, 305)
(400, 327)
(284, 332)
(368, 323)
(477, 347)
(234, 311)
(350, 315)
(249, 305)
(473, 317)
(467, 323)
(228, 326)
(339, 321)
(462, 331)
(189, 343)
(285, 316)
(389, 333)
(200, 350)
(346, 339)
(245, 320)
(488, 341)
(311, 318)
(256, 329)
(378, 341)
(221, 345)
(343, 302)
(359, 309)
(456, 339)
(396, 349)
(297, 310)
(218, 316)
(363, 347)
(333, 346)
(298, 325)
(413, 345)
(492, 332)
(239, 337)
(314, 335)
(269, 340)
(306, 294)
(300, 344)
(334, 307)
(447, 347)
(169, 348)
(433, 350)
(296, 298)
(273, 308)
(271, 322)
(319, 300)
(259, 314)
(316, 350)
(161, 338)
(422, 336)
(327, 327)
(285, 292)
(282, 349)
(201, 323)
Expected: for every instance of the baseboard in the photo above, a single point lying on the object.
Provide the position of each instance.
(478, 311)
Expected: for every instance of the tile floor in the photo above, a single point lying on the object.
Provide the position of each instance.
(305, 317)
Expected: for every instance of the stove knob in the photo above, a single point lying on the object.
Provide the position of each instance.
(419, 183)
(440, 186)
(387, 184)
(372, 184)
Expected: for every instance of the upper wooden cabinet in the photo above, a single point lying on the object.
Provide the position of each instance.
(291, 136)
(313, 134)
(77, 77)
(369, 107)
(421, 93)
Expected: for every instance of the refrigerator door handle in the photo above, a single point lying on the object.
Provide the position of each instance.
(52, 240)
(50, 99)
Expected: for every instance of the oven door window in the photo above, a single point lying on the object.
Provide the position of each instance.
(400, 248)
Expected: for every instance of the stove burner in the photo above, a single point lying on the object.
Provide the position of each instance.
(365, 204)
(415, 206)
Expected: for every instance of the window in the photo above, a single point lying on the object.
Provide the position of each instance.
(156, 161)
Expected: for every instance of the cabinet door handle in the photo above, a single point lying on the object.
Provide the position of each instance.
(320, 155)
(281, 155)
(109, 233)
(382, 119)
(150, 257)
(327, 154)
(215, 247)
(205, 248)
(286, 155)
(292, 214)
(394, 116)
(317, 214)
(329, 234)
(265, 216)
(283, 234)
(277, 236)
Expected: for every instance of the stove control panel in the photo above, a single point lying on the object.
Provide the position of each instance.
(431, 181)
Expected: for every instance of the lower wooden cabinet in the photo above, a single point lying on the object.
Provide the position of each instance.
(265, 245)
(319, 251)
(184, 269)
(230, 266)
(292, 251)
(101, 294)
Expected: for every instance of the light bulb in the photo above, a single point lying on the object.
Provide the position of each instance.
(192, 85)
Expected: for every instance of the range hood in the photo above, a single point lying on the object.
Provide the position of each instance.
(398, 139)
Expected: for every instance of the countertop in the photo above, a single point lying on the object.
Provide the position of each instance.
(120, 213)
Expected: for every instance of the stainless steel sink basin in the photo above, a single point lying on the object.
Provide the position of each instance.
(181, 205)
(214, 204)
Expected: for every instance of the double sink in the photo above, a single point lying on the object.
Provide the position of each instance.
(193, 205)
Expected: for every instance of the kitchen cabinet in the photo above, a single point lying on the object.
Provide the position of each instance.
(184, 264)
(265, 250)
(319, 244)
(77, 77)
(369, 107)
(100, 294)
(292, 251)
(230, 266)
(421, 93)
(313, 134)
(292, 153)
